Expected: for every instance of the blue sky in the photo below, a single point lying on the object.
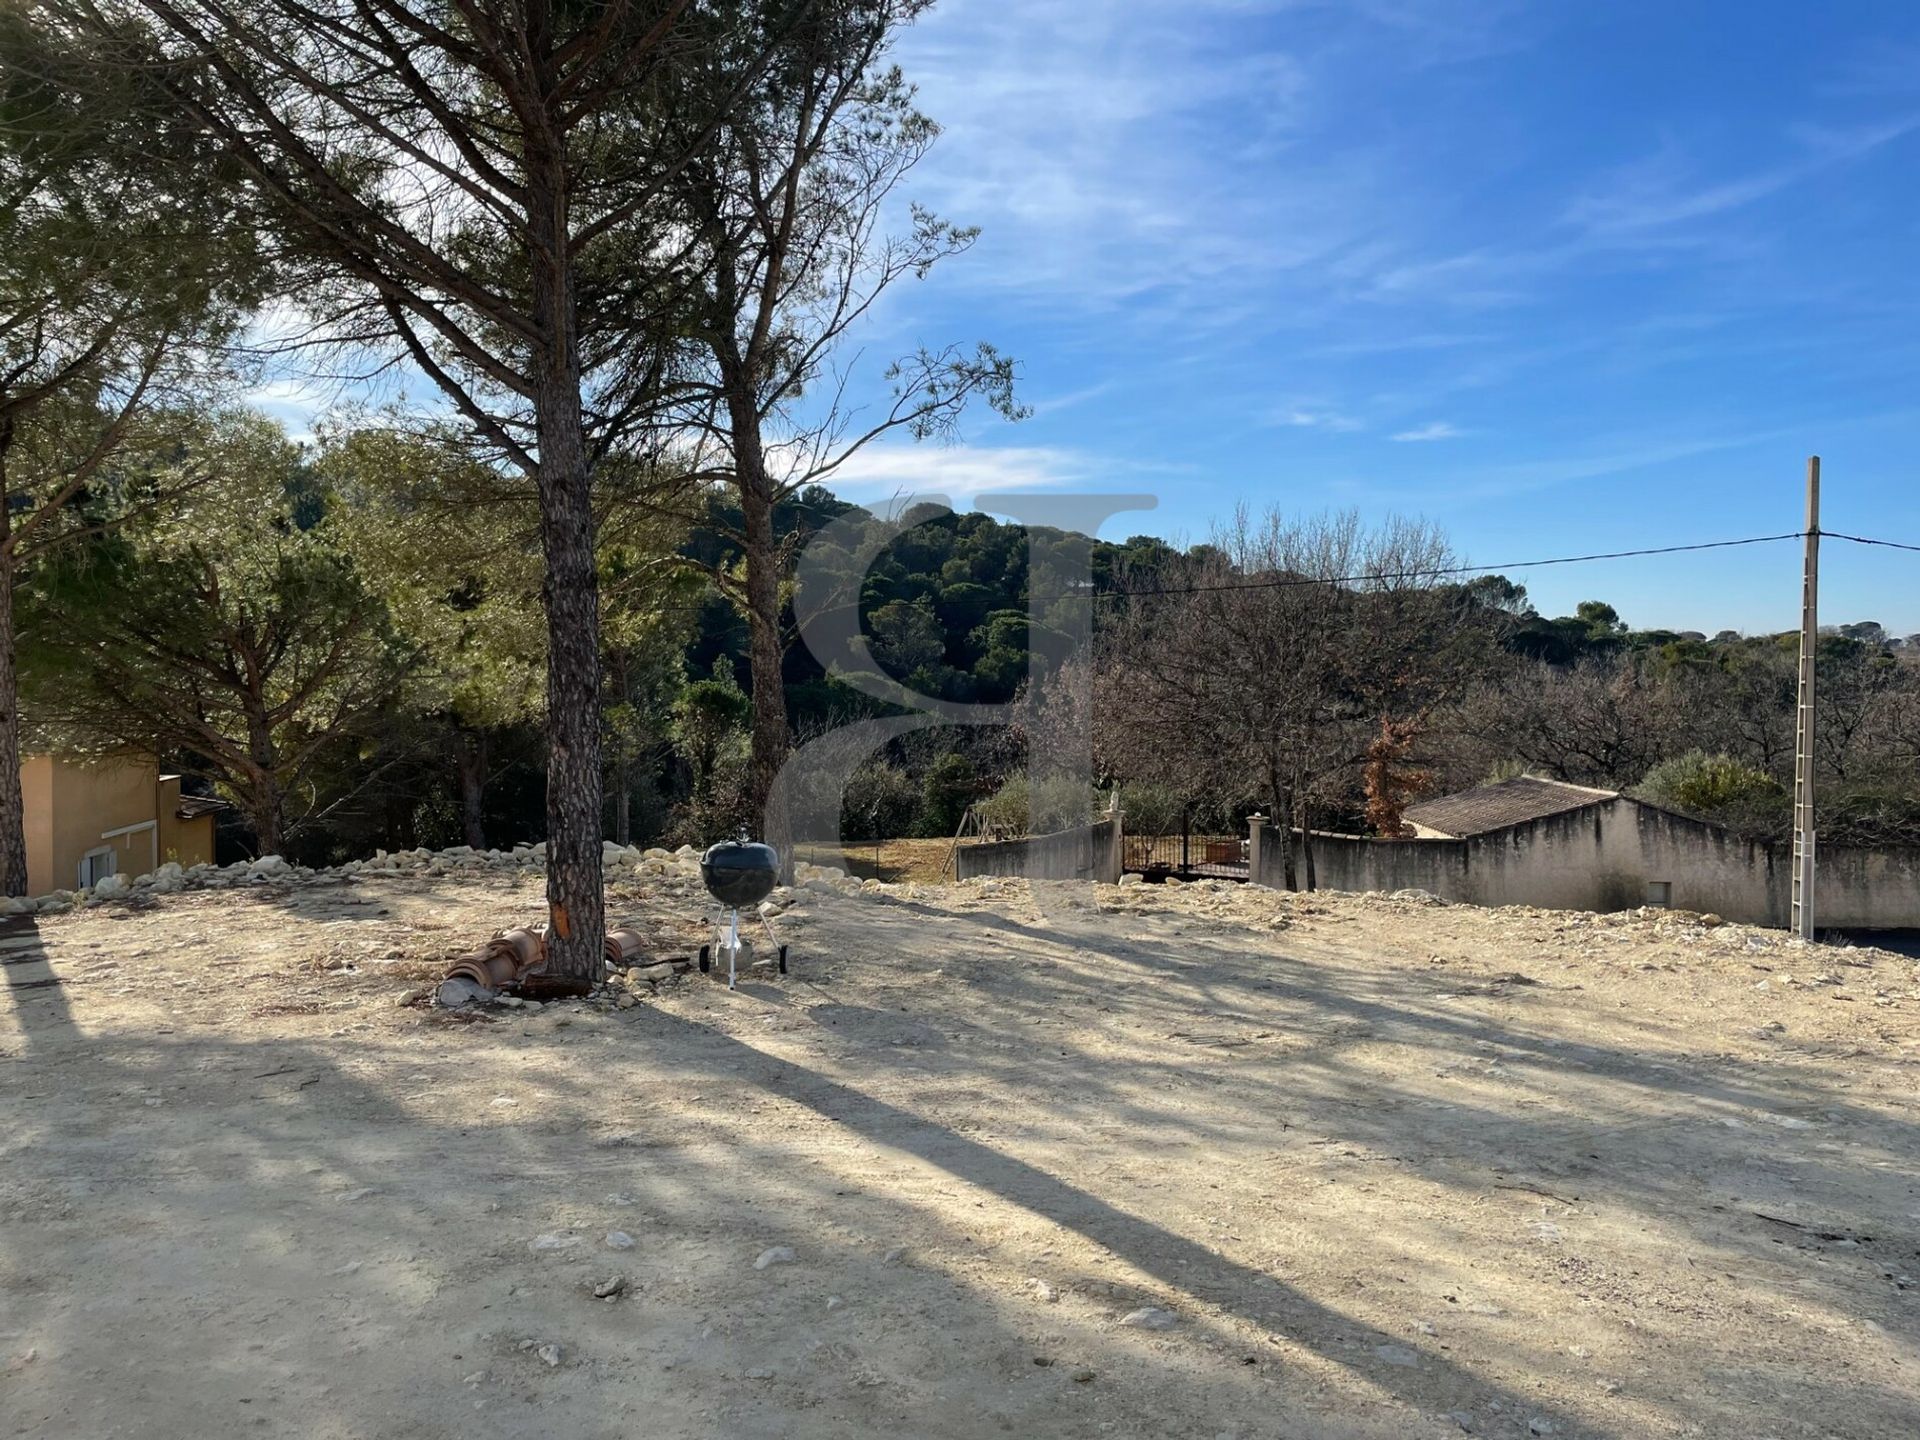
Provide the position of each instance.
(1561, 277)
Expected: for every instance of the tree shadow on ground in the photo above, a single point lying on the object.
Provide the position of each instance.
(1743, 1144)
(243, 1200)
(297, 1215)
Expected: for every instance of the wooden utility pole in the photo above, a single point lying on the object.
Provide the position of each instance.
(1803, 734)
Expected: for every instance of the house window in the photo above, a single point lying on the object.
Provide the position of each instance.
(96, 865)
(1660, 892)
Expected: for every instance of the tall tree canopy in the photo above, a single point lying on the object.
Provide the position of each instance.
(124, 259)
(786, 214)
(481, 191)
(232, 628)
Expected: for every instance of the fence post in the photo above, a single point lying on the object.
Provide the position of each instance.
(1256, 823)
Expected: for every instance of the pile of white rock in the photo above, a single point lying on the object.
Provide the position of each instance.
(169, 879)
(618, 861)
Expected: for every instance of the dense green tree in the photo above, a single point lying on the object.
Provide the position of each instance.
(450, 544)
(906, 637)
(120, 275)
(232, 628)
(952, 784)
(710, 733)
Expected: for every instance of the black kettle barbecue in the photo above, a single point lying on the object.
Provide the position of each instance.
(740, 873)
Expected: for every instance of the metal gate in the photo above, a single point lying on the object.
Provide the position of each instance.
(1185, 856)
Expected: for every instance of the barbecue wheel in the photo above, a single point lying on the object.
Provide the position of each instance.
(783, 959)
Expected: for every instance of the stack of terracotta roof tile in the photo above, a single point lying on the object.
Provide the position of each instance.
(504, 962)
(625, 949)
(515, 961)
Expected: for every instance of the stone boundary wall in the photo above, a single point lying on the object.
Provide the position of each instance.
(1611, 856)
(1090, 852)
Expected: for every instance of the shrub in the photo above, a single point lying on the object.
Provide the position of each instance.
(1151, 809)
(879, 803)
(950, 787)
(1057, 803)
(1745, 800)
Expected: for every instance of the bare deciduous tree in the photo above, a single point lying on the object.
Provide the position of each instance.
(1600, 722)
(1266, 661)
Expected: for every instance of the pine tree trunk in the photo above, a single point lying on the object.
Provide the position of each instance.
(266, 824)
(13, 823)
(264, 804)
(266, 801)
(472, 761)
(765, 650)
(575, 902)
(768, 657)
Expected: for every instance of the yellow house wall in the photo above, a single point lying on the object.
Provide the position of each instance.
(89, 799)
(36, 795)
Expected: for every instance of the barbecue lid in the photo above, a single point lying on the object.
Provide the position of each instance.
(740, 855)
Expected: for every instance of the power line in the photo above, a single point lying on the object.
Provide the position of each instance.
(1287, 581)
(1864, 540)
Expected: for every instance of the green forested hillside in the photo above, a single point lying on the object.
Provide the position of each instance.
(344, 640)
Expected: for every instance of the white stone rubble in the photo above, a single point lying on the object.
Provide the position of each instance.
(620, 862)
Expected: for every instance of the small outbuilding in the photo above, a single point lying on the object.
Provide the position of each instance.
(1499, 804)
(86, 819)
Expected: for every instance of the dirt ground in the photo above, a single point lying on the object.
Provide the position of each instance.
(1133, 1161)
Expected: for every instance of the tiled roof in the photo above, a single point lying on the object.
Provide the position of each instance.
(1503, 803)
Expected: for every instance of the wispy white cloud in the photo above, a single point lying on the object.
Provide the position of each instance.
(1368, 348)
(1665, 190)
(1433, 430)
(1671, 202)
(880, 473)
(1070, 399)
(1307, 416)
(1171, 164)
(885, 475)
(1599, 458)
(1879, 67)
